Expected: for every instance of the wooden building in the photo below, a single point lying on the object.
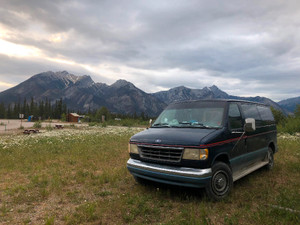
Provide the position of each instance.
(73, 117)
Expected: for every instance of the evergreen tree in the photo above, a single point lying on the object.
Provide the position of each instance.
(2, 110)
(103, 111)
(15, 111)
(24, 109)
(9, 112)
(64, 108)
(297, 111)
(278, 116)
(48, 109)
(31, 108)
(41, 112)
(41, 109)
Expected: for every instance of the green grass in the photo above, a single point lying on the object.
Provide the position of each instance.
(83, 179)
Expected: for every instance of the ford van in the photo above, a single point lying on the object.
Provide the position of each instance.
(205, 144)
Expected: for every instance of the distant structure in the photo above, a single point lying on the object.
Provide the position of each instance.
(73, 117)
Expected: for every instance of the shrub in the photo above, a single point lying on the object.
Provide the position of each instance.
(49, 127)
(291, 125)
(37, 124)
(278, 116)
(92, 124)
(127, 122)
(63, 117)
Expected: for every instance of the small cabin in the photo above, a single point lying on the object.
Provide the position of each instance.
(73, 117)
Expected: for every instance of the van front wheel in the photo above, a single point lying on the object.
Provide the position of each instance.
(221, 181)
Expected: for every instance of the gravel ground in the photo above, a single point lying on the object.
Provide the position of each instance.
(12, 125)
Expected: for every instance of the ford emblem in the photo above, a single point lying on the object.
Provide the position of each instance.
(157, 141)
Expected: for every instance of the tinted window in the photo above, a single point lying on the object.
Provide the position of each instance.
(250, 111)
(235, 119)
(265, 113)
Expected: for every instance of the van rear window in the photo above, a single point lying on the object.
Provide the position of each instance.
(265, 113)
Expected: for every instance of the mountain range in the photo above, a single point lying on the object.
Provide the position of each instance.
(290, 104)
(82, 93)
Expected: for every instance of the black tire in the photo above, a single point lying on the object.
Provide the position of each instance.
(221, 182)
(270, 158)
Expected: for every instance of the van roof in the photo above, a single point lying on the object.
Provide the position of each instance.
(219, 100)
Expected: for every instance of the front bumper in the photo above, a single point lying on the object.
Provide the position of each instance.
(181, 176)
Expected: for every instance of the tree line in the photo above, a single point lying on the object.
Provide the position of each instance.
(96, 115)
(287, 124)
(41, 110)
(46, 109)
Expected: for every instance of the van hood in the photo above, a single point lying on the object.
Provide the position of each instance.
(172, 136)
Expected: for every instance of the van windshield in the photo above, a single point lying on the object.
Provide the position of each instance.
(192, 114)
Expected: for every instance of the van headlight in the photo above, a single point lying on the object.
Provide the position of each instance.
(195, 154)
(133, 148)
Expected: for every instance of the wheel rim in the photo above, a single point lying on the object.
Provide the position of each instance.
(220, 182)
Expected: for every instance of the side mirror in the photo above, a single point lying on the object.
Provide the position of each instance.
(250, 125)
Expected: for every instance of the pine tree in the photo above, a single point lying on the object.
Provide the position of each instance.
(2, 110)
(297, 111)
(31, 108)
(8, 112)
(24, 110)
(41, 111)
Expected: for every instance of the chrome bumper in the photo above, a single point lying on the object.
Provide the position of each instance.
(172, 170)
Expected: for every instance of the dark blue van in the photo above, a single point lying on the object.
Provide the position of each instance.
(205, 144)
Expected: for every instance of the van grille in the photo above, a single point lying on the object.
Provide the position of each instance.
(161, 153)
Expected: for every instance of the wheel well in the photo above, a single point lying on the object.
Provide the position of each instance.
(222, 158)
(272, 146)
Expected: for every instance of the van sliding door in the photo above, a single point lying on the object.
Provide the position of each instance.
(255, 141)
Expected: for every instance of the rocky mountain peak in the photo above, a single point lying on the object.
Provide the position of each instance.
(179, 87)
(84, 81)
(218, 93)
(122, 83)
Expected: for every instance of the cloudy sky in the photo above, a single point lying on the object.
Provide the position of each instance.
(246, 48)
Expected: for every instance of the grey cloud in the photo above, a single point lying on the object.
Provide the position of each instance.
(251, 41)
(15, 70)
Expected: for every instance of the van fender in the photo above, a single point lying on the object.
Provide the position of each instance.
(222, 157)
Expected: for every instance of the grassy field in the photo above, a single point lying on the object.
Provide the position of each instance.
(79, 176)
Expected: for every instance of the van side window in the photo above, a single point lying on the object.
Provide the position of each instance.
(265, 114)
(235, 118)
(250, 111)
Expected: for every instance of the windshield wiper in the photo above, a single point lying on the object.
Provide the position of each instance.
(185, 122)
(192, 124)
(161, 125)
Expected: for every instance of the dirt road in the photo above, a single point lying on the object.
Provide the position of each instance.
(10, 125)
